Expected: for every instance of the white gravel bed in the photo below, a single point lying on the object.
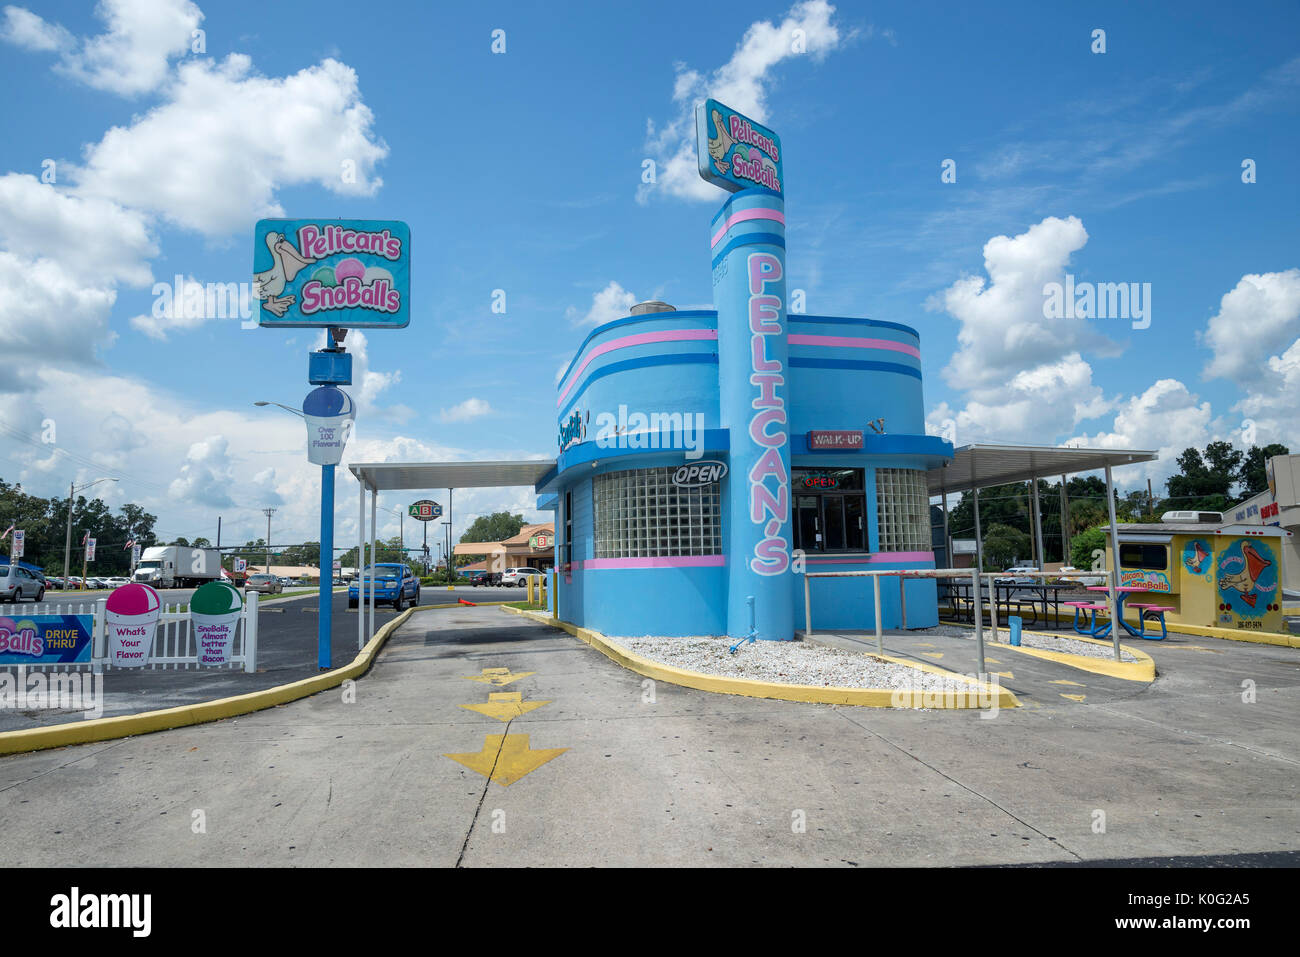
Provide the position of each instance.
(1064, 643)
(784, 662)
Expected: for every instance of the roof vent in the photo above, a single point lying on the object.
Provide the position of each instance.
(653, 305)
(1176, 518)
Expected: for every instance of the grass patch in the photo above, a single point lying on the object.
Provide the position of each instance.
(525, 606)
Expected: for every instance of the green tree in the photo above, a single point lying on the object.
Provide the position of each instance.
(1004, 546)
(1204, 482)
(1253, 475)
(496, 527)
(1084, 544)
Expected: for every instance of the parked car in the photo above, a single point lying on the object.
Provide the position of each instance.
(53, 581)
(17, 584)
(519, 576)
(263, 584)
(474, 576)
(1016, 576)
(1081, 575)
(392, 582)
(118, 582)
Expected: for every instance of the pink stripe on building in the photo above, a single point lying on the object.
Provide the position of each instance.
(853, 342)
(878, 558)
(626, 342)
(745, 215)
(677, 561)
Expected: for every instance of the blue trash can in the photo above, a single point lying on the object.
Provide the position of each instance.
(1013, 626)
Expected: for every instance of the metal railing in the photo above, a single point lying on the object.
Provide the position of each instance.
(972, 574)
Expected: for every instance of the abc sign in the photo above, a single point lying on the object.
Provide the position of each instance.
(695, 474)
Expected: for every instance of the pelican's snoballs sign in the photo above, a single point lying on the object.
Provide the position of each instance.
(354, 273)
(735, 152)
(329, 413)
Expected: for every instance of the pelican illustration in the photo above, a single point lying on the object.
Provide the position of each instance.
(718, 146)
(286, 262)
(1198, 561)
(1244, 580)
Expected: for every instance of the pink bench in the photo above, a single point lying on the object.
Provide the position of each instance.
(1157, 611)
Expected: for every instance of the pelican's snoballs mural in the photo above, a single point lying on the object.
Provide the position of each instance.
(735, 152)
(354, 273)
(1247, 579)
(1197, 553)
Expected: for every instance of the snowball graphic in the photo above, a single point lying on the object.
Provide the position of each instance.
(325, 276)
(214, 615)
(376, 272)
(132, 615)
(346, 268)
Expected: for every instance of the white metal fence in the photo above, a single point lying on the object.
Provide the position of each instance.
(174, 645)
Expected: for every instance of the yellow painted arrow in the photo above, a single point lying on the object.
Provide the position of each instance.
(932, 654)
(506, 758)
(1073, 697)
(500, 677)
(1004, 674)
(1062, 681)
(925, 644)
(505, 705)
(992, 661)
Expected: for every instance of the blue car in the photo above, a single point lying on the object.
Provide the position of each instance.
(394, 583)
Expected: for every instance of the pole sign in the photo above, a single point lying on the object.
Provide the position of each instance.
(541, 540)
(46, 639)
(16, 550)
(354, 273)
(90, 549)
(735, 152)
(241, 564)
(425, 510)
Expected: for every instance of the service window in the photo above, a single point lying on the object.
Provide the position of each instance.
(829, 510)
(1143, 555)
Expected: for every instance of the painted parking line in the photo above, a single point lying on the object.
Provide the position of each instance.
(505, 705)
(499, 677)
(506, 758)
(1062, 681)
(1073, 697)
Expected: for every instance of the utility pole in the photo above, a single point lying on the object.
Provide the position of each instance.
(67, 542)
(268, 512)
(1151, 502)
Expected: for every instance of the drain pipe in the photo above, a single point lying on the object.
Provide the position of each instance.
(753, 629)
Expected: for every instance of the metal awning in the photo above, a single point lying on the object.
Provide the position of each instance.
(384, 476)
(979, 466)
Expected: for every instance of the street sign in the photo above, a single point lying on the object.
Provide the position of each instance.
(425, 510)
(16, 550)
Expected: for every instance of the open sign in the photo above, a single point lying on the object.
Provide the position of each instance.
(695, 474)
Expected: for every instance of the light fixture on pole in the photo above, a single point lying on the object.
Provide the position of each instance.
(67, 542)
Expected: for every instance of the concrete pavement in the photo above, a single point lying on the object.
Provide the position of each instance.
(661, 775)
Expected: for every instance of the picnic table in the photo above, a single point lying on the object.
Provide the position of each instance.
(1098, 630)
(1036, 595)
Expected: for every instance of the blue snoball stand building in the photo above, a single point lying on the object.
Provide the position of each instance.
(709, 457)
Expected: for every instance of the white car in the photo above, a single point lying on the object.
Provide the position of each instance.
(1017, 576)
(519, 576)
(118, 582)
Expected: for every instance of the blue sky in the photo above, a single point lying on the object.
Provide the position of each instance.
(522, 171)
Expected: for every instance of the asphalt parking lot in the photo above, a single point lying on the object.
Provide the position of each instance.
(481, 739)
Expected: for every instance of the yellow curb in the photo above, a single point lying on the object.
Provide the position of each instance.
(1275, 638)
(866, 697)
(1144, 669)
(456, 604)
(127, 725)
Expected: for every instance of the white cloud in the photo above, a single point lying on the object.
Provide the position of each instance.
(741, 83)
(25, 29)
(92, 238)
(129, 58)
(367, 383)
(1258, 317)
(47, 318)
(465, 411)
(213, 155)
(612, 302)
(1166, 418)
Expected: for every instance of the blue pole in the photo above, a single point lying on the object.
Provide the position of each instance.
(326, 599)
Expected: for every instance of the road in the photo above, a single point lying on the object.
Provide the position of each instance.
(593, 765)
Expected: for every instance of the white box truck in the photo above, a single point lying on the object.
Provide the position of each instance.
(176, 566)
